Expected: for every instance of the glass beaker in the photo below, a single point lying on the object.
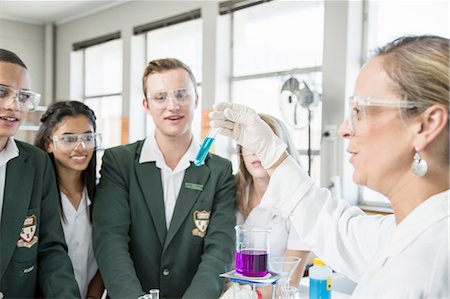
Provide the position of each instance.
(252, 250)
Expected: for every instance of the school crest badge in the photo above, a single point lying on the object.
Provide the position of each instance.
(201, 221)
(28, 233)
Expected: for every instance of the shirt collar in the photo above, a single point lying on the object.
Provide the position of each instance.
(9, 152)
(151, 153)
(431, 211)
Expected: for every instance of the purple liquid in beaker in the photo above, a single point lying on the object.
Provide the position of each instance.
(251, 263)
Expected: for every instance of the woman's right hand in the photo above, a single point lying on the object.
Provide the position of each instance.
(245, 126)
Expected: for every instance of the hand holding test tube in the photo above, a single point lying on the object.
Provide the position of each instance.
(206, 145)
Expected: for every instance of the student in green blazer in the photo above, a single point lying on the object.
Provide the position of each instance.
(159, 221)
(33, 253)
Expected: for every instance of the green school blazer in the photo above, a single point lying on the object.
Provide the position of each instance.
(135, 251)
(33, 252)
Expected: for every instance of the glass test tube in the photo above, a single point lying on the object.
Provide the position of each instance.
(206, 145)
(153, 294)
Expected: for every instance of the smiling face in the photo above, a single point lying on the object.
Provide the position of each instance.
(381, 144)
(11, 117)
(78, 158)
(175, 119)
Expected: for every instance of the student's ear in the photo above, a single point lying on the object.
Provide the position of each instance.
(432, 122)
(196, 100)
(145, 103)
(49, 147)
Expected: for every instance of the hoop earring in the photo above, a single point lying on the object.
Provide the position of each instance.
(419, 166)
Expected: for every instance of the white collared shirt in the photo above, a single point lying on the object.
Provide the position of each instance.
(9, 152)
(78, 234)
(171, 179)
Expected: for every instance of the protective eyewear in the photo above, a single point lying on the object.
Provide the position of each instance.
(182, 97)
(357, 108)
(27, 100)
(69, 142)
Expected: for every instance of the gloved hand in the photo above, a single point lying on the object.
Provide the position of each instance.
(245, 126)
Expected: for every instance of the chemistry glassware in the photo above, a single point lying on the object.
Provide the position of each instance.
(285, 267)
(252, 250)
(152, 294)
(206, 145)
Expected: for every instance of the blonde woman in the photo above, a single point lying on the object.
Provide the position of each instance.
(398, 133)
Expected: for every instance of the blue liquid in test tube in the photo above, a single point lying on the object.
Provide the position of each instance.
(206, 145)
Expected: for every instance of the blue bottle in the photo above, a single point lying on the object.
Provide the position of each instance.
(319, 280)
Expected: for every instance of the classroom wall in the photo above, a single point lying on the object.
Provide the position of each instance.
(28, 42)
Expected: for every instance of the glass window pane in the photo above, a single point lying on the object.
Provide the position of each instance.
(182, 41)
(391, 19)
(264, 96)
(103, 69)
(278, 35)
(108, 111)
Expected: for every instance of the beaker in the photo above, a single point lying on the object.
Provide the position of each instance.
(252, 250)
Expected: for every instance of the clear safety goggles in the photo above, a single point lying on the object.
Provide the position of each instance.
(358, 109)
(27, 100)
(182, 96)
(69, 142)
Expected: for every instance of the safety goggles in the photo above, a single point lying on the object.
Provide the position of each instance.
(27, 100)
(359, 108)
(69, 142)
(182, 97)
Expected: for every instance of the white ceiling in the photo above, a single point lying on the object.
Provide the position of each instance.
(59, 12)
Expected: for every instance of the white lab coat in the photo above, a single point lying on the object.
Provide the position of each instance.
(409, 260)
(282, 236)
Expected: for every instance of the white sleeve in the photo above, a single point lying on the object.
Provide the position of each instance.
(294, 241)
(342, 235)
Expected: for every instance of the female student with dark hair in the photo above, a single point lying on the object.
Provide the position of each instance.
(67, 134)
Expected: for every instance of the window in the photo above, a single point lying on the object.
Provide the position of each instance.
(182, 40)
(272, 42)
(96, 78)
(390, 19)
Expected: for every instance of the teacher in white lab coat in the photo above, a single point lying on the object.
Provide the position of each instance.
(398, 133)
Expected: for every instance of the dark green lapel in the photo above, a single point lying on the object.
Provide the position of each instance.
(16, 201)
(149, 177)
(194, 180)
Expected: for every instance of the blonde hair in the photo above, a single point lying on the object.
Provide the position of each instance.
(244, 178)
(163, 65)
(419, 67)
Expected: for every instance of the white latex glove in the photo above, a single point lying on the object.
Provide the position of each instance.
(245, 126)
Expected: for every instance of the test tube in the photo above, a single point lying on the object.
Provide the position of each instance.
(153, 294)
(206, 145)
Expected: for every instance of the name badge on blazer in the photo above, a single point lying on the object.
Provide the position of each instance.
(27, 233)
(201, 221)
(193, 186)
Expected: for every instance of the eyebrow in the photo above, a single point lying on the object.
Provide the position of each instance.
(69, 133)
(25, 89)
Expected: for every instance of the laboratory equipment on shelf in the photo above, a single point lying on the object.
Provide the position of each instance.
(206, 145)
